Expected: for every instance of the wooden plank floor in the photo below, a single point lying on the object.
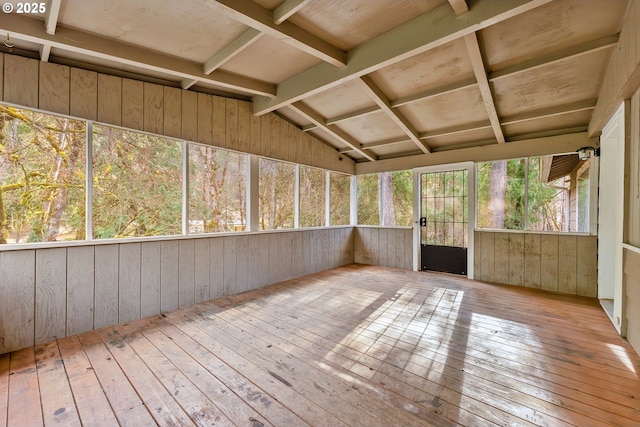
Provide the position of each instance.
(357, 346)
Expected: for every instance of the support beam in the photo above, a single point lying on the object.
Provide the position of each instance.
(232, 49)
(530, 147)
(572, 52)
(45, 51)
(259, 18)
(31, 30)
(51, 16)
(187, 83)
(332, 130)
(421, 34)
(480, 71)
(376, 94)
(551, 112)
(287, 9)
(460, 7)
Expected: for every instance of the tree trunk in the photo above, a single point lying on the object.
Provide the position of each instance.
(388, 211)
(497, 190)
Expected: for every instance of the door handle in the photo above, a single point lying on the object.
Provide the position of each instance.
(423, 221)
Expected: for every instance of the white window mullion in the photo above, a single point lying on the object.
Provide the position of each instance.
(185, 188)
(88, 194)
(353, 200)
(296, 200)
(253, 195)
(327, 204)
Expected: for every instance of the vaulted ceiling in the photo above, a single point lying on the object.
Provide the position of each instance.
(375, 79)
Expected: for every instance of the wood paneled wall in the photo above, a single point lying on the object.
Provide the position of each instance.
(212, 120)
(632, 297)
(57, 292)
(388, 247)
(551, 262)
(622, 77)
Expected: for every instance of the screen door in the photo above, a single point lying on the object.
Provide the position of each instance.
(444, 221)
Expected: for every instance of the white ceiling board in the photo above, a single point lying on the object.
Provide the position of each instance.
(580, 118)
(372, 127)
(270, 60)
(446, 111)
(329, 139)
(343, 99)
(348, 23)
(152, 24)
(435, 68)
(550, 28)
(560, 83)
(388, 150)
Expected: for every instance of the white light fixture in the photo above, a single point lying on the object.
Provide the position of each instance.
(585, 153)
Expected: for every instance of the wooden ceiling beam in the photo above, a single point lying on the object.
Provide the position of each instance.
(571, 52)
(245, 40)
(542, 146)
(460, 7)
(376, 94)
(32, 30)
(311, 115)
(551, 112)
(421, 34)
(255, 16)
(287, 9)
(480, 70)
(51, 16)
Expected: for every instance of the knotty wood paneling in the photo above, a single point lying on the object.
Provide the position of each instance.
(172, 112)
(186, 273)
(169, 276)
(549, 262)
(532, 260)
(129, 282)
(219, 119)
(216, 268)
(106, 283)
(502, 252)
(132, 104)
(83, 94)
(567, 264)
(378, 245)
(244, 126)
(201, 270)
(153, 113)
(552, 262)
(150, 259)
(231, 124)
(632, 286)
(18, 299)
(54, 88)
(256, 131)
(80, 289)
(189, 111)
(110, 99)
(21, 80)
(205, 119)
(51, 294)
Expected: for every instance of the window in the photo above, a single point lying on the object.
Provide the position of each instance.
(42, 177)
(137, 184)
(313, 195)
(531, 194)
(217, 190)
(369, 199)
(276, 199)
(339, 203)
(400, 197)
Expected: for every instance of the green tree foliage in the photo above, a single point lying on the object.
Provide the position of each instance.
(137, 184)
(340, 190)
(402, 184)
(276, 199)
(41, 177)
(369, 199)
(313, 183)
(217, 190)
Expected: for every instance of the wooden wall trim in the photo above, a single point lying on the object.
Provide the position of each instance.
(632, 295)
(196, 117)
(564, 263)
(55, 292)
